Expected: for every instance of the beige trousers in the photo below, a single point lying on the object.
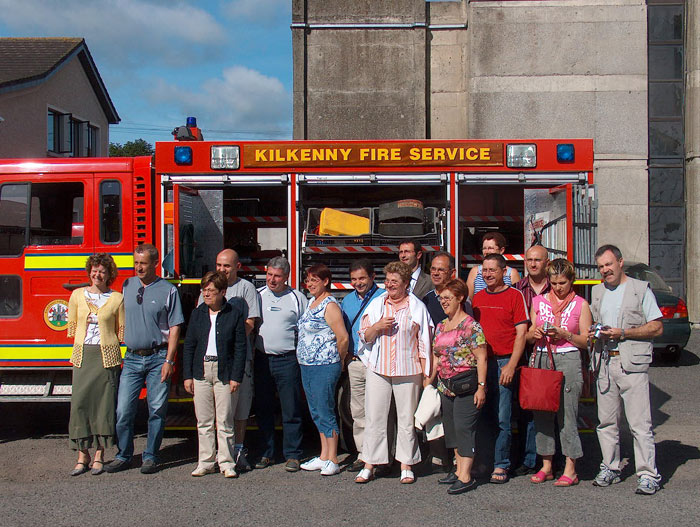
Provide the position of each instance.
(616, 388)
(357, 373)
(214, 400)
(378, 391)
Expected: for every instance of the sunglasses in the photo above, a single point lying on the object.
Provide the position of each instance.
(139, 296)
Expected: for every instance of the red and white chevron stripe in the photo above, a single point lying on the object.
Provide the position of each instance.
(253, 268)
(358, 249)
(483, 219)
(478, 257)
(255, 219)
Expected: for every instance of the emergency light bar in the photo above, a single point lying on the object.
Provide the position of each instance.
(521, 156)
(225, 157)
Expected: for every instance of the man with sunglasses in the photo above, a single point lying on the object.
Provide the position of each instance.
(152, 331)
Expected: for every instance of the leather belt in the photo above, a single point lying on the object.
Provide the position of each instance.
(211, 358)
(614, 353)
(146, 352)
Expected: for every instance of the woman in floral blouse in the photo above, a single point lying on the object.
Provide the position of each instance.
(459, 346)
(323, 344)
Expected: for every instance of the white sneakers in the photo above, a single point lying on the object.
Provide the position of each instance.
(202, 471)
(230, 473)
(315, 463)
(326, 466)
(330, 469)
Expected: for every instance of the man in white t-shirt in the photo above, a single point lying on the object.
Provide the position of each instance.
(276, 366)
(628, 310)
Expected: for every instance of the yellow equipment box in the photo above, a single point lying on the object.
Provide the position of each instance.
(338, 223)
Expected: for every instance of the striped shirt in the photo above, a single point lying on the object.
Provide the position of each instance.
(479, 283)
(400, 347)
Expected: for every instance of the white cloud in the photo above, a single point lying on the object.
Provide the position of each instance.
(259, 11)
(125, 33)
(241, 99)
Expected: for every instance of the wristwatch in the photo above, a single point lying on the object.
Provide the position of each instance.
(622, 335)
(482, 384)
(171, 362)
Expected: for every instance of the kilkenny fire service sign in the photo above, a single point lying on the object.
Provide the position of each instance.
(452, 153)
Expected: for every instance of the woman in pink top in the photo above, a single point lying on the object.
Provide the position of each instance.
(560, 320)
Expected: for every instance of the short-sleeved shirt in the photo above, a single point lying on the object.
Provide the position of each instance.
(612, 301)
(148, 324)
(528, 292)
(498, 314)
(455, 348)
(437, 314)
(280, 314)
(351, 311)
(318, 344)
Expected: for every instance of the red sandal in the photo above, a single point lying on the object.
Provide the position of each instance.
(566, 481)
(541, 477)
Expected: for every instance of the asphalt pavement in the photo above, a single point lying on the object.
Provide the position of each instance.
(35, 488)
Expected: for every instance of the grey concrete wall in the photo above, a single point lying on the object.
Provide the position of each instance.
(23, 133)
(448, 54)
(692, 154)
(360, 83)
(570, 69)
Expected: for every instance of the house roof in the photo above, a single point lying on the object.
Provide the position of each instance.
(26, 62)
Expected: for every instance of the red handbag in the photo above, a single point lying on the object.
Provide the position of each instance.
(540, 389)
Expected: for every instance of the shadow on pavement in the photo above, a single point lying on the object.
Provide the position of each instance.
(671, 454)
(687, 358)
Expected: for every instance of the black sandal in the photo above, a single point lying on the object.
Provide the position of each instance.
(499, 478)
(84, 467)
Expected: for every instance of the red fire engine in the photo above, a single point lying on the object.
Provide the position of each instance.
(264, 199)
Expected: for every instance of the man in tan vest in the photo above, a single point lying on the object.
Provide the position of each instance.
(631, 318)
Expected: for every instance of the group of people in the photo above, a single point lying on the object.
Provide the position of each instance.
(420, 332)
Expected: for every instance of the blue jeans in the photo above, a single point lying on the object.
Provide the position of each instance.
(319, 385)
(136, 371)
(500, 402)
(282, 372)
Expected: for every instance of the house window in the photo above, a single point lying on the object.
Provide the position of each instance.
(70, 136)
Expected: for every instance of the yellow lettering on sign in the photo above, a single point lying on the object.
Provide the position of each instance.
(414, 154)
(345, 152)
(364, 153)
(396, 154)
(292, 155)
(305, 154)
(472, 154)
(317, 155)
(260, 155)
(485, 154)
(439, 154)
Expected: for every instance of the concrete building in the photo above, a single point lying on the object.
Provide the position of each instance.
(52, 100)
(623, 72)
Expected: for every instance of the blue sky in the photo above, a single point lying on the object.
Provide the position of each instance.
(227, 62)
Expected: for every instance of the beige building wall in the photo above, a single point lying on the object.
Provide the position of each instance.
(692, 155)
(23, 133)
(570, 69)
(496, 69)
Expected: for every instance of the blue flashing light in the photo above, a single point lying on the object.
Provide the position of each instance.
(192, 122)
(565, 153)
(183, 155)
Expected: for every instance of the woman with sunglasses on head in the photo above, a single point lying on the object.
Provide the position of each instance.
(323, 344)
(459, 348)
(213, 363)
(560, 322)
(96, 320)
